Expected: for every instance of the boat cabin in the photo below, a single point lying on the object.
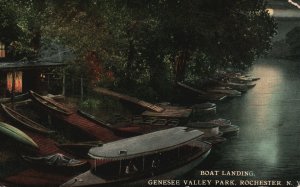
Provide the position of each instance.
(171, 151)
(20, 77)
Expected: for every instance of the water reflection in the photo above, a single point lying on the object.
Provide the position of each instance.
(268, 116)
(265, 112)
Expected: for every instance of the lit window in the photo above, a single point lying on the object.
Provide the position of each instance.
(2, 50)
(18, 81)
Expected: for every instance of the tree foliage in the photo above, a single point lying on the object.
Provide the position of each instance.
(293, 40)
(145, 44)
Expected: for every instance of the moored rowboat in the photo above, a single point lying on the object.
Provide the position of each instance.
(229, 130)
(207, 105)
(205, 108)
(226, 127)
(80, 148)
(28, 123)
(57, 160)
(49, 104)
(229, 93)
(200, 94)
(243, 79)
(238, 86)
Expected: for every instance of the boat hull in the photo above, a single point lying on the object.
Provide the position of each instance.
(208, 132)
(230, 130)
(49, 105)
(176, 173)
(198, 110)
(173, 174)
(17, 135)
(229, 93)
(24, 121)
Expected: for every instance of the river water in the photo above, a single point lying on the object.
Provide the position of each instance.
(269, 118)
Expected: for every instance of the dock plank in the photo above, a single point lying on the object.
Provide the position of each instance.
(141, 103)
(170, 112)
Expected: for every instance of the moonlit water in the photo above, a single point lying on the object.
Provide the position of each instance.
(269, 118)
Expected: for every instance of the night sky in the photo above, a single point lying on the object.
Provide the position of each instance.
(284, 8)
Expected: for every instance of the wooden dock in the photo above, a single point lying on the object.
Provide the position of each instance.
(145, 105)
(89, 127)
(170, 112)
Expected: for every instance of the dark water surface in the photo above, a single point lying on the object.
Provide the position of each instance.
(269, 120)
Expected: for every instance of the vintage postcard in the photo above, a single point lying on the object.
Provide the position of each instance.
(149, 93)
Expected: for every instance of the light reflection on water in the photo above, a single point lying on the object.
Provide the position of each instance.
(268, 116)
(265, 111)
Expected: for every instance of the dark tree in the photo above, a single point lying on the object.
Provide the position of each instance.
(146, 46)
(293, 40)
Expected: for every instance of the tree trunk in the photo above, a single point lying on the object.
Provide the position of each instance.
(129, 60)
(180, 65)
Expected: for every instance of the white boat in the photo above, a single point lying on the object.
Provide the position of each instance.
(204, 108)
(226, 127)
(209, 129)
(165, 154)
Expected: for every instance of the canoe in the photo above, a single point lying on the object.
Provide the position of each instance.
(49, 104)
(95, 119)
(26, 122)
(204, 109)
(17, 135)
(57, 160)
(229, 93)
(200, 94)
(213, 97)
(205, 106)
(250, 84)
(238, 86)
(243, 79)
(239, 77)
(20, 97)
(88, 127)
(191, 89)
(127, 131)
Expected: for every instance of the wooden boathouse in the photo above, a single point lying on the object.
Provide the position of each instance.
(20, 77)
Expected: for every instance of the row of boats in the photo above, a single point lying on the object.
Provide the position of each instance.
(147, 146)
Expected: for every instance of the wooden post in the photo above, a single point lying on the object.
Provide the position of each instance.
(120, 168)
(73, 87)
(144, 163)
(49, 119)
(81, 88)
(64, 83)
(48, 82)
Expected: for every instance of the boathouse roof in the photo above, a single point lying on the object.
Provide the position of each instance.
(145, 144)
(28, 65)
